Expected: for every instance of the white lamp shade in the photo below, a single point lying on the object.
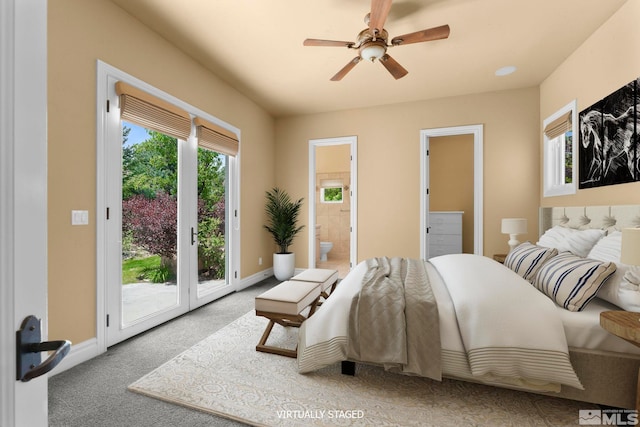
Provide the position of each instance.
(630, 250)
(514, 225)
(372, 51)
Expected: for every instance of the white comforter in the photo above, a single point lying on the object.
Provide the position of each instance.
(494, 326)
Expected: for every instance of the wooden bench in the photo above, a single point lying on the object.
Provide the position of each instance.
(284, 304)
(326, 278)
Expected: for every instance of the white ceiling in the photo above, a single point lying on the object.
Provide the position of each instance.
(256, 46)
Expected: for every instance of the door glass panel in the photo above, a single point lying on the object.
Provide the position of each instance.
(149, 222)
(212, 242)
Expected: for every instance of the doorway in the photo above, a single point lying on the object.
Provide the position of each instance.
(167, 242)
(332, 215)
(474, 224)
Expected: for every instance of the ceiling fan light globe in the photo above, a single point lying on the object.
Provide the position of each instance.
(372, 51)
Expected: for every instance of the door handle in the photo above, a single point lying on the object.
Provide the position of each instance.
(194, 236)
(28, 347)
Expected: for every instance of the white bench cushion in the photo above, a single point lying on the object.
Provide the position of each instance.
(290, 297)
(325, 277)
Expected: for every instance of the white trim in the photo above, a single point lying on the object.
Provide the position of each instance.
(7, 331)
(425, 134)
(550, 189)
(105, 92)
(254, 278)
(23, 209)
(352, 141)
(79, 353)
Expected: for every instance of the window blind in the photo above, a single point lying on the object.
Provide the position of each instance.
(216, 138)
(559, 126)
(331, 183)
(141, 108)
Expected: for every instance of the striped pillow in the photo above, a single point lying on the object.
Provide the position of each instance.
(572, 281)
(527, 258)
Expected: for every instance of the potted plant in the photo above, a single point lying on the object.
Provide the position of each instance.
(282, 223)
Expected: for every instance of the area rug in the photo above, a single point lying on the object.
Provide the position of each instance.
(224, 375)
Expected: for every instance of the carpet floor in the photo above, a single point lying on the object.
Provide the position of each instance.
(94, 393)
(225, 376)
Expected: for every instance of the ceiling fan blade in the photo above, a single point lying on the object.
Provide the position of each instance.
(396, 70)
(436, 33)
(379, 12)
(340, 74)
(319, 42)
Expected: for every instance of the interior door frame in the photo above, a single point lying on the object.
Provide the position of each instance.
(23, 200)
(352, 141)
(477, 132)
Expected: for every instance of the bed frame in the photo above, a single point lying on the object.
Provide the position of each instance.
(609, 378)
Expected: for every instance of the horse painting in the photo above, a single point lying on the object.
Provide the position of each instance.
(611, 141)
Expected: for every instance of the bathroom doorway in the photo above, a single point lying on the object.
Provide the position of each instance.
(332, 216)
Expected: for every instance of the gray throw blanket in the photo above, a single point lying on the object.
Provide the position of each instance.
(394, 319)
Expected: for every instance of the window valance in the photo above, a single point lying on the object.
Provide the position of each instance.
(144, 109)
(216, 138)
(559, 126)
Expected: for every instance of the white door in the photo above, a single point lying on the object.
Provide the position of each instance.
(23, 200)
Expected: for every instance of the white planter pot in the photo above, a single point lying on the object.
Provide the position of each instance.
(284, 266)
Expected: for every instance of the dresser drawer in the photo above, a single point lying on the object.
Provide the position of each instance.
(445, 228)
(445, 223)
(442, 249)
(445, 233)
(445, 239)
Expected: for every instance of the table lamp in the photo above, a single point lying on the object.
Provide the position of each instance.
(513, 227)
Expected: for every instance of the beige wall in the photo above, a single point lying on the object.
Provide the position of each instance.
(275, 152)
(79, 33)
(451, 180)
(608, 60)
(389, 164)
(333, 158)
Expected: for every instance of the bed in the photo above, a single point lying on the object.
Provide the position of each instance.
(542, 347)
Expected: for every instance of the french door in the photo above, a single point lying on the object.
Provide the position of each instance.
(167, 244)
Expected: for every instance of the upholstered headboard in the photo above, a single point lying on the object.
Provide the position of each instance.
(615, 217)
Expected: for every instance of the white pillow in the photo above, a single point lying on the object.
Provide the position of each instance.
(623, 287)
(572, 281)
(564, 239)
(527, 258)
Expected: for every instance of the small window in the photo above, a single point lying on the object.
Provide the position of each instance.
(560, 152)
(331, 195)
(331, 190)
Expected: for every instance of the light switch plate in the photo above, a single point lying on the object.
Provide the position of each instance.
(79, 217)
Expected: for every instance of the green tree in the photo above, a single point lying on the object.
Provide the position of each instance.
(150, 166)
(211, 177)
(149, 176)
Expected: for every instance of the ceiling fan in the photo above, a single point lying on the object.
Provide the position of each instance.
(372, 42)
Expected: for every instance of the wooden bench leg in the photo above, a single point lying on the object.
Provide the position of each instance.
(263, 347)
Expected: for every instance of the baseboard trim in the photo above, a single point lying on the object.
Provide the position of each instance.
(89, 349)
(79, 353)
(254, 278)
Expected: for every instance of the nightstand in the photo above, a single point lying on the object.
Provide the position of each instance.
(626, 325)
(500, 257)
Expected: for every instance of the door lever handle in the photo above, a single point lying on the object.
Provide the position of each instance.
(28, 347)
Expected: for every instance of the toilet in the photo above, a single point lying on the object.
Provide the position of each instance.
(325, 247)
